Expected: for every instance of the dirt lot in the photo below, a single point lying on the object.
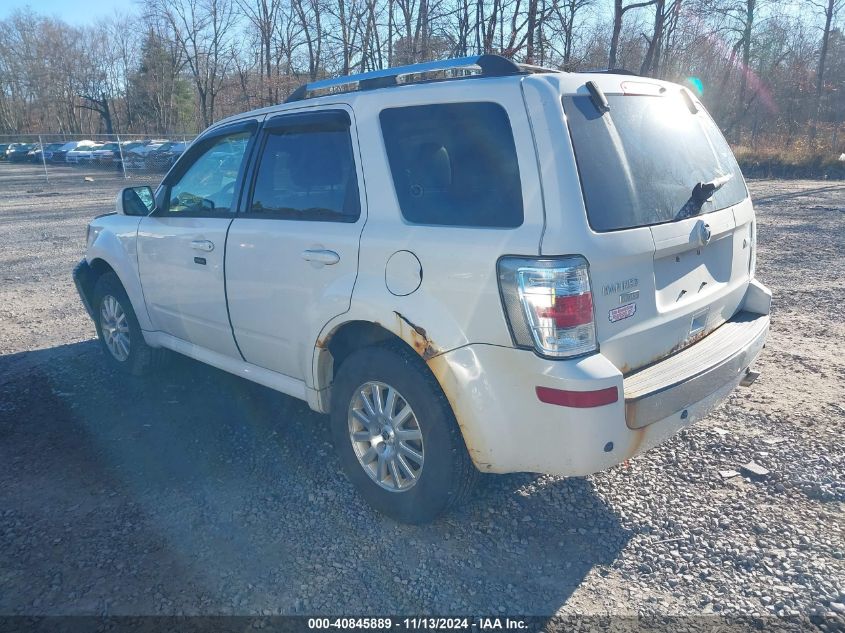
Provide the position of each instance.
(196, 492)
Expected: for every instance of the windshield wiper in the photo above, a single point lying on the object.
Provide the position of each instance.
(701, 193)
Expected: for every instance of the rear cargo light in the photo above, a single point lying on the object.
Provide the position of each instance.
(549, 304)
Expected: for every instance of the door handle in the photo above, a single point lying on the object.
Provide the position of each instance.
(203, 245)
(321, 256)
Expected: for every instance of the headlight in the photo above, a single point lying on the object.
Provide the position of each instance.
(91, 234)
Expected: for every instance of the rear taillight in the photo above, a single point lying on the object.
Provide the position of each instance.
(549, 304)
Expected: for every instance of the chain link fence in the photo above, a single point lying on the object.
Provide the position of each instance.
(50, 160)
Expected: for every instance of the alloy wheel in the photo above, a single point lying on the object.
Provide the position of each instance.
(115, 328)
(386, 436)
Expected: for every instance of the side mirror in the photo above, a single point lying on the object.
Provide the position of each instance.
(135, 201)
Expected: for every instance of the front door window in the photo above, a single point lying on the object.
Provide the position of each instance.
(207, 187)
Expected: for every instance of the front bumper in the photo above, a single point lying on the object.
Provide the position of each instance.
(506, 427)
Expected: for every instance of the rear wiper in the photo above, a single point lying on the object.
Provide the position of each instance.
(597, 97)
(701, 193)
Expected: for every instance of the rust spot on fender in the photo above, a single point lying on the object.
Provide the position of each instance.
(416, 337)
(440, 368)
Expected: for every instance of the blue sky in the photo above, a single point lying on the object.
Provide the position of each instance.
(77, 12)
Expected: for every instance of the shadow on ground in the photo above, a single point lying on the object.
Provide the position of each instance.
(198, 492)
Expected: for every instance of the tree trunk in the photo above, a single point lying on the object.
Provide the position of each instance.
(652, 57)
(532, 29)
(746, 50)
(817, 105)
(617, 29)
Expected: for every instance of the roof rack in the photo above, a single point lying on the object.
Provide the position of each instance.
(488, 65)
(531, 68)
(610, 71)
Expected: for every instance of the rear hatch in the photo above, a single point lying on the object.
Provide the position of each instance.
(668, 265)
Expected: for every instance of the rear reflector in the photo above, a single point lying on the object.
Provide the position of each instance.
(578, 399)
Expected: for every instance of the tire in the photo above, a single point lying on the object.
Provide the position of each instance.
(115, 317)
(444, 477)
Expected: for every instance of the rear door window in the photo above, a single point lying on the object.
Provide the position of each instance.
(307, 170)
(640, 161)
(454, 164)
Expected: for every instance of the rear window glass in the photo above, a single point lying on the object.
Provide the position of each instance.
(454, 164)
(640, 161)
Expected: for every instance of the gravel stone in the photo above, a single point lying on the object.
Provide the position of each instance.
(195, 492)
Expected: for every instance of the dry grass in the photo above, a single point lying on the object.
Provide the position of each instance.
(793, 156)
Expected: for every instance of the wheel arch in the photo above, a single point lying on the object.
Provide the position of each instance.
(341, 338)
(86, 274)
(341, 341)
(110, 253)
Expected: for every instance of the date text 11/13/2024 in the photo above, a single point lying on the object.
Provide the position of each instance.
(425, 623)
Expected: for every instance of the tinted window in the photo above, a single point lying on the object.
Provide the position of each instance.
(640, 161)
(207, 186)
(454, 164)
(307, 173)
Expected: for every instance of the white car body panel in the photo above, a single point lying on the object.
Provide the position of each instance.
(114, 243)
(648, 254)
(260, 375)
(184, 299)
(278, 301)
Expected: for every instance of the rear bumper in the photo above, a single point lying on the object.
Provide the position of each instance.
(718, 360)
(493, 392)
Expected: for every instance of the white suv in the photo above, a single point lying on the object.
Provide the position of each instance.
(471, 265)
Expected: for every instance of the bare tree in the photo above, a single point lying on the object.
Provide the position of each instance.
(830, 8)
(619, 11)
(262, 15)
(203, 29)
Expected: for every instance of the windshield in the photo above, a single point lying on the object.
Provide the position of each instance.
(640, 161)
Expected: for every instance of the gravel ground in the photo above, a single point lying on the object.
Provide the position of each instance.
(195, 492)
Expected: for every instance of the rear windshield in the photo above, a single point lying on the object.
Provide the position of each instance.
(640, 161)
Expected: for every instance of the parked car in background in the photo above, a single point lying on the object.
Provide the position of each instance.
(46, 154)
(18, 152)
(107, 154)
(3, 148)
(165, 155)
(136, 158)
(60, 155)
(82, 154)
(8, 149)
(33, 149)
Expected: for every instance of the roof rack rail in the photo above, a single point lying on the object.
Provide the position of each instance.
(489, 65)
(531, 68)
(610, 71)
